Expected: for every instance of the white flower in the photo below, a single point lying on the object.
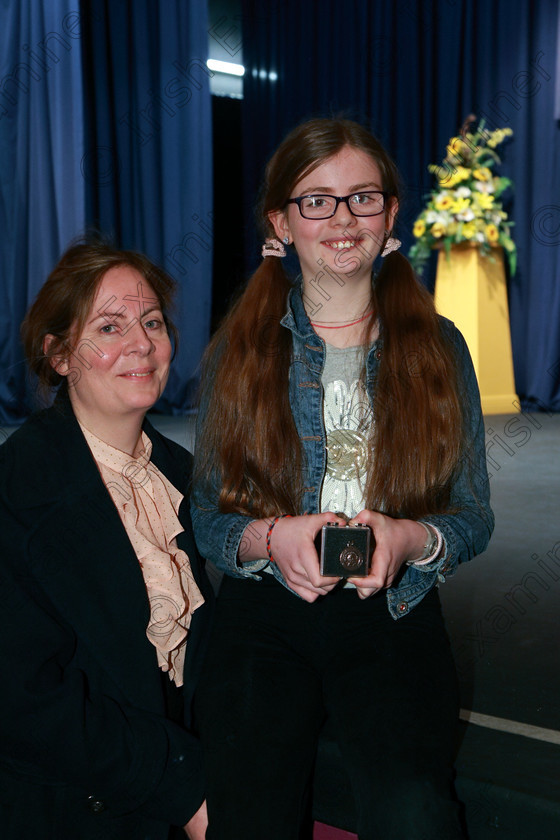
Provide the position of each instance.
(462, 192)
(431, 217)
(484, 186)
(479, 236)
(466, 215)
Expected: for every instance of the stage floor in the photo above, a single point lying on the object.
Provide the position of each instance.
(502, 609)
(503, 617)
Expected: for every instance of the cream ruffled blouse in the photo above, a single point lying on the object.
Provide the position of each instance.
(148, 505)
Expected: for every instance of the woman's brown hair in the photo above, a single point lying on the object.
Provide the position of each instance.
(64, 302)
(248, 437)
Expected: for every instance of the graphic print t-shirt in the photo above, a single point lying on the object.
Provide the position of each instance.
(348, 418)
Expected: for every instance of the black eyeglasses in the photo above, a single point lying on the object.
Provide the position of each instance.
(318, 206)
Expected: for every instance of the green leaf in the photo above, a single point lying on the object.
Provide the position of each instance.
(512, 259)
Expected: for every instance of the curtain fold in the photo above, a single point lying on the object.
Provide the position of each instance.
(413, 70)
(147, 162)
(105, 123)
(42, 197)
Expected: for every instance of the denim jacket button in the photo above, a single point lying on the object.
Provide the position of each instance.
(378, 354)
(402, 607)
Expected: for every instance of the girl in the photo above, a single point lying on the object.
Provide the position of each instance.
(339, 397)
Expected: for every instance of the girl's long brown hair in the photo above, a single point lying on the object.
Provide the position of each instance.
(248, 438)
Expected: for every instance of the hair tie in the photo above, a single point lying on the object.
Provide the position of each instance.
(392, 244)
(274, 248)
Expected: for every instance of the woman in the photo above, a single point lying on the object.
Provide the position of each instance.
(104, 598)
(351, 400)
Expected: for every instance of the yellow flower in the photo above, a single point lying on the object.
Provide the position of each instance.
(469, 230)
(498, 136)
(443, 201)
(449, 179)
(485, 201)
(492, 233)
(437, 230)
(495, 138)
(457, 150)
(459, 205)
(482, 174)
(419, 228)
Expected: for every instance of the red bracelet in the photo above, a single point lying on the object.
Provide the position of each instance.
(269, 533)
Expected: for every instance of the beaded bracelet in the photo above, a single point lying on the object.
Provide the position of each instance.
(269, 533)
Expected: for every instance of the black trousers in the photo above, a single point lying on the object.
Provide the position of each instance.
(278, 666)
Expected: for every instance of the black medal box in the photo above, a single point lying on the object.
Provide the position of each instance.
(344, 550)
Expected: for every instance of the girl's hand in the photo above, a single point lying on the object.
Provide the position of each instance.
(293, 549)
(196, 827)
(396, 541)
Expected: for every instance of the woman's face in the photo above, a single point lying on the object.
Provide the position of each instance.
(344, 243)
(120, 363)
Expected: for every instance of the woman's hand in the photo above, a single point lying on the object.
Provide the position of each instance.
(292, 546)
(396, 541)
(196, 827)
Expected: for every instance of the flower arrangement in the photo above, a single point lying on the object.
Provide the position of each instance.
(464, 207)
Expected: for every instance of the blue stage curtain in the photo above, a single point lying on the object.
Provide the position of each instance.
(413, 70)
(105, 123)
(148, 159)
(41, 190)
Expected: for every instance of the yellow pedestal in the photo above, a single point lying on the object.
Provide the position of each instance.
(471, 292)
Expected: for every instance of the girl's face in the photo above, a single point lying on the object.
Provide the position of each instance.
(344, 243)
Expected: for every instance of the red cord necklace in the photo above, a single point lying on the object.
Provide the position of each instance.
(342, 326)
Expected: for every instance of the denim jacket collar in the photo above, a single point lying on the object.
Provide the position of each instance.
(296, 318)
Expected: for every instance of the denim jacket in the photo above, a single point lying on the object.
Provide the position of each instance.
(466, 532)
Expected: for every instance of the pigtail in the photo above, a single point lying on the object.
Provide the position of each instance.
(418, 418)
(249, 435)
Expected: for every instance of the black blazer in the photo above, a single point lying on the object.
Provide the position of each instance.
(86, 749)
